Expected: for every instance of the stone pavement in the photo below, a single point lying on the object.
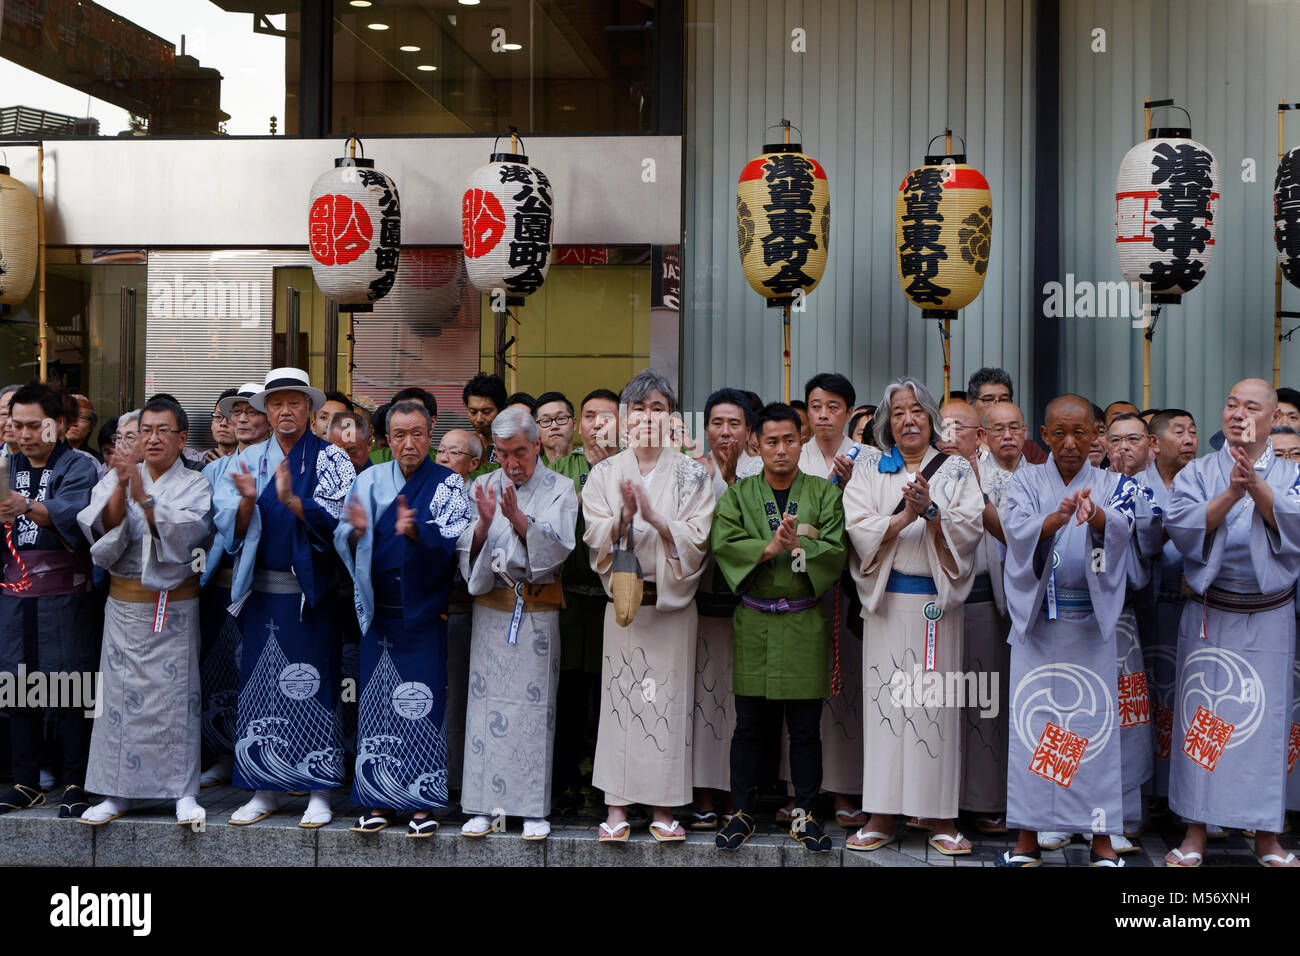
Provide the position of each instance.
(149, 836)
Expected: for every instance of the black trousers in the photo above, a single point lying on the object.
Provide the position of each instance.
(758, 720)
(27, 739)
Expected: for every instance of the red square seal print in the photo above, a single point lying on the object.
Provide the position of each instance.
(1206, 739)
(1134, 704)
(1058, 755)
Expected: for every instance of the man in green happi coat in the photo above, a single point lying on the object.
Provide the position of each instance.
(778, 538)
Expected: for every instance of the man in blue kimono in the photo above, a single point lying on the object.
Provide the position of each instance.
(278, 511)
(1235, 516)
(398, 539)
(49, 620)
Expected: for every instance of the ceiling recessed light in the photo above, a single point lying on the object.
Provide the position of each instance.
(361, 3)
(512, 46)
(377, 26)
(409, 49)
(469, 3)
(427, 68)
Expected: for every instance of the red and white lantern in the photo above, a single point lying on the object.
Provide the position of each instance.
(507, 219)
(354, 228)
(1166, 201)
(18, 247)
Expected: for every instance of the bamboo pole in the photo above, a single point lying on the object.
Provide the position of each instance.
(1147, 332)
(42, 333)
(1277, 268)
(947, 323)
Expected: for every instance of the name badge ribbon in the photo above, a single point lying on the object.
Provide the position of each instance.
(160, 612)
(517, 617)
(932, 613)
(1051, 588)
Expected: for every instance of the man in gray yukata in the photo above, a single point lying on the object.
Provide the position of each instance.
(1235, 516)
(146, 521)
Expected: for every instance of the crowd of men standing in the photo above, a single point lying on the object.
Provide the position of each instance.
(911, 607)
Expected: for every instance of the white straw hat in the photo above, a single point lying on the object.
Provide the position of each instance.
(246, 392)
(288, 380)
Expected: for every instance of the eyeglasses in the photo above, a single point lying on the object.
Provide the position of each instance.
(1005, 429)
(1291, 455)
(125, 436)
(452, 451)
(557, 420)
(218, 417)
(162, 432)
(1126, 439)
(992, 399)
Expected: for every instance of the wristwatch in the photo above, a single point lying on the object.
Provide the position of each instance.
(930, 513)
(148, 501)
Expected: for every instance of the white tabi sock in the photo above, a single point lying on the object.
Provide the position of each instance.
(264, 801)
(318, 808)
(189, 811)
(479, 824)
(110, 807)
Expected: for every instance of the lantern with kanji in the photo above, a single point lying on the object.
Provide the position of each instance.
(783, 222)
(354, 229)
(944, 234)
(1166, 197)
(1286, 215)
(18, 249)
(507, 217)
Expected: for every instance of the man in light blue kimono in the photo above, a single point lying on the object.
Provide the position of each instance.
(1235, 516)
(398, 540)
(277, 511)
(1174, 442)
(219, 648)
(1068, 528)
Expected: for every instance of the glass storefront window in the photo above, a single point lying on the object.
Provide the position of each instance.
(95, 315)
(144, 67)
(447, 66)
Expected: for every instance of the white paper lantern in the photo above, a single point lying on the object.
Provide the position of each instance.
(1166, 205)
(354, 225)
(507, 216)
(18, 250)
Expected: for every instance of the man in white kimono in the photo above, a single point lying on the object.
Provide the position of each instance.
(1068, 527)
(1235, 516)
(145, 521)
(913, 515)
(510, 555)
(830, 399)
(1174, 444)
(728, 419)
(985, 653)
(655, 501)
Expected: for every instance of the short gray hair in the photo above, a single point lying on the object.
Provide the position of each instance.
(513, 421)
(643, 383)
(131, 416)
(406, 407)
(7, 389)
(880, 424)
(472, 440)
